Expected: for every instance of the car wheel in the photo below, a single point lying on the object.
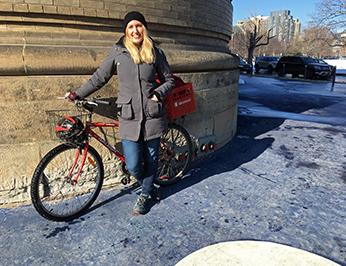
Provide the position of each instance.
(310, 74)
(281, 73)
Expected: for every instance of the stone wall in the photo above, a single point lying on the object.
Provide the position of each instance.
(48, 47)
(205, 15)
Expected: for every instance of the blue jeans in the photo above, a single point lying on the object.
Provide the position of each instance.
(142, 161)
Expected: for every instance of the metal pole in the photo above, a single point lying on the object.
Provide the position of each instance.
(333, 78)
(284, 69)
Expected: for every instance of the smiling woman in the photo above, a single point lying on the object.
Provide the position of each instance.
(135, 31)
(137, 62)
(137, 41)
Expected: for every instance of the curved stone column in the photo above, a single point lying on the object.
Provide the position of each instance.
(49, 47)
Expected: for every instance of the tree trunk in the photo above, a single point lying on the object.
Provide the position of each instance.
(250, 52)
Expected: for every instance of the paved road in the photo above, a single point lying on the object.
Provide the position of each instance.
(281, 179)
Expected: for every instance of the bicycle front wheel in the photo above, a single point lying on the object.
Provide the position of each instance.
(55, 193)
(176, 152)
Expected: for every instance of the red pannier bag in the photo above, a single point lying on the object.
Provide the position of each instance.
(180, 101)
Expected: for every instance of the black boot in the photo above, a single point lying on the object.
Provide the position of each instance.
(155, 194)
(141, 205)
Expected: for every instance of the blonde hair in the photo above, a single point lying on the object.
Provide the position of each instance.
(144, 53)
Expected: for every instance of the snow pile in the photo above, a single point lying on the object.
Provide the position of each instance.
(339, 63)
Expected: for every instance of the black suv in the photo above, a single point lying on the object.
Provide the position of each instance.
(266, 62)
(302, 65)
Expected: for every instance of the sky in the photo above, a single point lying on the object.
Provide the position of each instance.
(302, 9)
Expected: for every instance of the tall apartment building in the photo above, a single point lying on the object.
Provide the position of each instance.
(297, 29)
(283, 25)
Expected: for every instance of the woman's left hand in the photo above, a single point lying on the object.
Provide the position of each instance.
(154, 98)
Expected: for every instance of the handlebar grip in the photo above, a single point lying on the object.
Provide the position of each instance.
(102, 102)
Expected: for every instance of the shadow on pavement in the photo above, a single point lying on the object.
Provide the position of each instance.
(293, 103)
(123, 191)
(242, 149)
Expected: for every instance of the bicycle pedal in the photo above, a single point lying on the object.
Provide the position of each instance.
(125, 180)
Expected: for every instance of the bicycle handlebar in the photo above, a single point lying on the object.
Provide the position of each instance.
(88, 104)
(84, 101)
(94, 102)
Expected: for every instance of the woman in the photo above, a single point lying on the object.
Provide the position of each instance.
(137, 62)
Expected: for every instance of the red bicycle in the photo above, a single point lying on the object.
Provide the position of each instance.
(69, 177)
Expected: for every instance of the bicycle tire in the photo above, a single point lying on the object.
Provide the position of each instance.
(50, 177)
(176, 151)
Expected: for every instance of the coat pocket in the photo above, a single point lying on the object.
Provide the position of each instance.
(155, 109)
(125, 110)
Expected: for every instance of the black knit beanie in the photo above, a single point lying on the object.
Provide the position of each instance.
(134, 15)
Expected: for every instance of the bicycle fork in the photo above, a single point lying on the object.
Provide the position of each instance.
(77, 154)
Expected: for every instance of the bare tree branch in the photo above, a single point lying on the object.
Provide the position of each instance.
(330, 13)
(267, 42)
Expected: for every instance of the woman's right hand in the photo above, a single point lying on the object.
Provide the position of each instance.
(71, 96)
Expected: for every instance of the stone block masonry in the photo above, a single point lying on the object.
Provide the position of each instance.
(211, 15)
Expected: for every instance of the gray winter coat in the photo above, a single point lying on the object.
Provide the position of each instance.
(137, 113)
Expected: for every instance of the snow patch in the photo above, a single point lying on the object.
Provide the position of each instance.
(339, 63)
(241, 81)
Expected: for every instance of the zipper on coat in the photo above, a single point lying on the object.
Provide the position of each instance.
(142, 103)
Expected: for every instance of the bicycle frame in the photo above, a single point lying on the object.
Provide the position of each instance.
(89, 131)
(91, 125)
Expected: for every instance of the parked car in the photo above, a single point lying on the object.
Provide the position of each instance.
(266, 62)
(244, 66)
(303, 65)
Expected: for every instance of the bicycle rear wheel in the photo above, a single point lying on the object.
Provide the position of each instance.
(176, 152)
(54, 194)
